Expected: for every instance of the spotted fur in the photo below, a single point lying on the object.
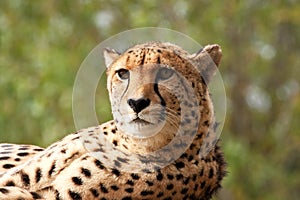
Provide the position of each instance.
(152, 83)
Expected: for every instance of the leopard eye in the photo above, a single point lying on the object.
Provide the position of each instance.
(165, 73)
(123, 74)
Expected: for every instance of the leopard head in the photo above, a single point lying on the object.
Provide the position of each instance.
(158, 90)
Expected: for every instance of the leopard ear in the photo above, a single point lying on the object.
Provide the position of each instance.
(207, 60)
(109, 56)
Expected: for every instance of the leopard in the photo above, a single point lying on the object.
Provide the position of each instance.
(161, 143)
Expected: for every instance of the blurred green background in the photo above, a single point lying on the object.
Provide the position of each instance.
(43, 43)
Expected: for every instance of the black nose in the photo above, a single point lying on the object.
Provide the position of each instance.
(138, 105)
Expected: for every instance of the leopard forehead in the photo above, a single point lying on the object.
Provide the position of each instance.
(153, 53)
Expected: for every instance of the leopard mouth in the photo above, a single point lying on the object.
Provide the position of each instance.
(138, 120)
(142, 128)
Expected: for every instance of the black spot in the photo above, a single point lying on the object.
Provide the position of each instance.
(126, 198)
(39, 149)
(192, 146)
(202, 184)
(201, 172)
(183, 155)
(100, 149)
(103, 188)
(208, 189)
(207, 159)
(179, 165)
(125, 146)
(185, 197)
(170, 186)
(23, 148)
(5, 152)
(94, 192)
(51, 169)
(129, 190)
(147, 170)
(130, 182)
(113, 131)
(86, 172)
(105, 132)
(115, 172)
(194, 177)
(146, 192)
(159, 176)
(8, 166)
(173, 193)
(158, 60)
(117, 163)
(186, 180)
(10, 183)
(63, 151)
(38, 175)
(77, 180)
(179, 176)
(196, 162)
(196, 187)
(17, 159)
(135, 176)
(3, 190)
(143, 58)
(25, 179)
(190, 158)
(160, 194)
(99, 164)
(193, 114)
(71, 157)
(184, 190)
(35, 195)
(57, 195)
(75, 138)
(188, 121)
(4, 158)
(84, 158)
(6, 145)
(170, 176)
(123, 160)
(149, 183)
(214, 158)
(206, 123)
(211, 173)
(115, 142)
(87, 141)
(74, 195)
(114, 187)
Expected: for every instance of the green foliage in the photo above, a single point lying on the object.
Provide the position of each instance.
(43, 43)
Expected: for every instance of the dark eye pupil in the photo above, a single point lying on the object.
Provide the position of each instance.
(165, 73)
(123, 74)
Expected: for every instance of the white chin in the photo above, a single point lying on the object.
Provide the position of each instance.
(141, 129)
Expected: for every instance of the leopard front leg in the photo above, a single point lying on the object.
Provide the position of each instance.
(34, 178)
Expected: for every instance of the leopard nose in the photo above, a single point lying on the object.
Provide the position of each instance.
(139, 104)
